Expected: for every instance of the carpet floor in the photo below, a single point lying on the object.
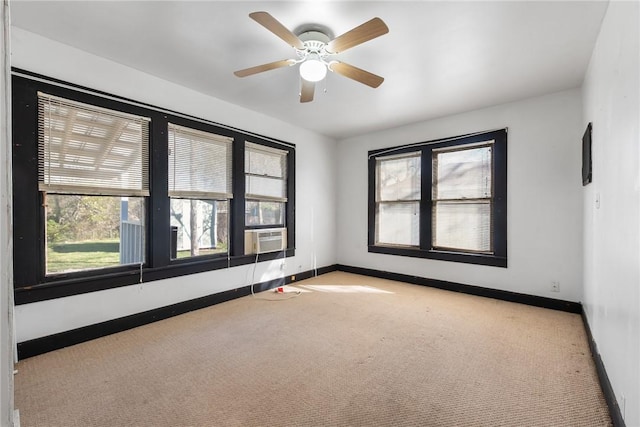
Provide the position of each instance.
(348, 350)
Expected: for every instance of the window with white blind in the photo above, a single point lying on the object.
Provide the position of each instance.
(200, 187)
(398, 200)
(93, 175)
(85, 149)
(462, 188)
(265, 185)
(442, 199)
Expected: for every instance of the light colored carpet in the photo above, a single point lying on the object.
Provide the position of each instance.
(348, 351)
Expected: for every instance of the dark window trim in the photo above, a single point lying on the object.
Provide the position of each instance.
(499, 211)
(30, 282)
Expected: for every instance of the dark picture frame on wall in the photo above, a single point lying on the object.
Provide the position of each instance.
(587, 172)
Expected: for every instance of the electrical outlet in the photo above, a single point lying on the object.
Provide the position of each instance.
(293, 278)
(555, 286)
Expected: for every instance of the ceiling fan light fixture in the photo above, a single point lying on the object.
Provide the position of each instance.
(313, 70)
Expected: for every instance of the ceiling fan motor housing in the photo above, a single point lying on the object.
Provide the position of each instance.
(314, 43)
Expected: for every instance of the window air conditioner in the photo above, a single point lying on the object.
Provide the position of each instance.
(265, 240)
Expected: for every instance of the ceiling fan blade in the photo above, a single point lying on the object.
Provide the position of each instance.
(358, 35)
(306, 90)
(264, 67)
(356, 74)
(273, 25)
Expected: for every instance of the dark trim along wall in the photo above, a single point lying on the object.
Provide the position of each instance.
(64, 339)
(571, 307)
(603, 378)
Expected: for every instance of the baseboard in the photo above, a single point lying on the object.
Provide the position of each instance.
(571, 307)
(42, 345)
(311, 273)
(603, 378)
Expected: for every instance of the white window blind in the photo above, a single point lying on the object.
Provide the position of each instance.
(398, 196)
(462, 198)
(266, 173)
(199, 164)
(398, 178)
(84, 149)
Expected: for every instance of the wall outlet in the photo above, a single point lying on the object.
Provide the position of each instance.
(293, 278)
(555, 286)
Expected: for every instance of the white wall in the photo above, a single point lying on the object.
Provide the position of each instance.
(544, 197)
(6, 281)
(612, 232)
(315, 194)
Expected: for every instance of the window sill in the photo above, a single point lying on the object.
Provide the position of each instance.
(80, 283)
(468, 258)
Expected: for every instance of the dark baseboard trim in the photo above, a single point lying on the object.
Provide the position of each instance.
(49, 343)
(571, 307)
(603, 378)
(311, 273)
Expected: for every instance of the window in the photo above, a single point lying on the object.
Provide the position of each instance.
(266, 185)
(108, 192)
(462, 198)
(200, 187)
(442, 199)
(398, 200)
(93, 177)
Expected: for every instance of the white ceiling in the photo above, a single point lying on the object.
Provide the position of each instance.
(438, 58)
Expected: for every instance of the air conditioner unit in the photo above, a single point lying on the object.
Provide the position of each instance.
(265, 240)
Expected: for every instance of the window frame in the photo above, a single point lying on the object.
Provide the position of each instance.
(31, 284)
(425, 250)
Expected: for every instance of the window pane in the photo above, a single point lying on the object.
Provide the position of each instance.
(266, 172)
(399, 179)
(265, 186)
(463, 174)
(90, 232)
(199, 164)
(85, 149)
(398, 224)
(199, 227)
(462, 225)
(262, 160)
(264, 213)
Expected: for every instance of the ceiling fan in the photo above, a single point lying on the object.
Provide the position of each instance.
(314, 50)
